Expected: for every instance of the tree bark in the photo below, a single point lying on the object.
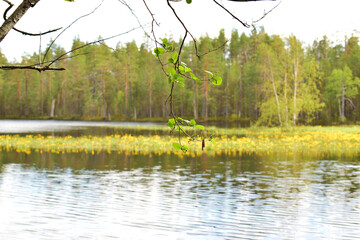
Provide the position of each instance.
(126, 91)
(103, 95)
(296, 63)
(276, 98)
(52, 112)
(343, 100)
(195, 107)
(150, 96)
(239, 95)
(286, 101)
(10, 22)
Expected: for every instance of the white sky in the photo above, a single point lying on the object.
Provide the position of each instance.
(306, 19)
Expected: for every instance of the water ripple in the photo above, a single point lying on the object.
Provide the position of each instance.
(319, 201)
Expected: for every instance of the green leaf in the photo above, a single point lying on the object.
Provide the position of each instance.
(180, 119)
(171, 123)
(165, 41)
(180, 79)
(192, 122)
(201, 127)
(181, 69)
(170, 60)
(194, 77)
(188, 1)
(176, 145)
(175, 57)
(213, 142)
(188, 69)
(216, 80)
(211, 75)
(181, 84)
(179, 128)
(171, 71)
(185, 148)
(159, 51)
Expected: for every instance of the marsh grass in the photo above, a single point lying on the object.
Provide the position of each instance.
(334, 140)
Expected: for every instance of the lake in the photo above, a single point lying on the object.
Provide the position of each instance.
(122, 196)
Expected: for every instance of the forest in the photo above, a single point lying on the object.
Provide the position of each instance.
(267, 79)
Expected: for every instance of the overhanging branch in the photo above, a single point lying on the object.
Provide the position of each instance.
(37, 68)
(23, 32)
(10, 22)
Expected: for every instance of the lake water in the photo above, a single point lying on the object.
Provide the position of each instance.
(120, 196)
(74, 128)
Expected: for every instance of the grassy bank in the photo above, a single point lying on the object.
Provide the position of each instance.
(335, 140)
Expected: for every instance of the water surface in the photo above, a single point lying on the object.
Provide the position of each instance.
(119, 196)
(74, 128)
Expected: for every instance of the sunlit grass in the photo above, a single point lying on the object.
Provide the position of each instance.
(228, 141)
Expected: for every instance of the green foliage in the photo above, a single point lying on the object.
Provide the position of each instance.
(176, 145)
(255, 77)
(176, 73)
(159, 51)
(201, 127)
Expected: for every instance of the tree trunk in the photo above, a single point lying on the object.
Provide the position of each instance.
(195, 106)
(239, 95)
(204, 101)
(41, 94)
(19, 95)
(126, 91)
(276, 98)
(295, 88)
(52, 112)
(343, 102)
(64, 95)
(286, 101)
(26, 94)
(339, 101)
(150, 97)
(103, 96)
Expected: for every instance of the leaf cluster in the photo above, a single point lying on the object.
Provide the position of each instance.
(176, 73)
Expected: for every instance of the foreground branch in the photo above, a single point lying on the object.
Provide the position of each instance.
(23, 32)
(10, 22)
(38, 68)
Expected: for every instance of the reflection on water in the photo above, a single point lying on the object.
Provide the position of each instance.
(64, 128)
(106, 196)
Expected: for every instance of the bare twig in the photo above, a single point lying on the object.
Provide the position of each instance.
(265, 13)
(90, 43)
(236, 18)
(245, 24)
(186, 30)
(47, 50)
(215, 49)
(37, 34)
(153, 33)
(136, 17)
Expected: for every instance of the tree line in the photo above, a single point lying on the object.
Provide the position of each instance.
(268, 79)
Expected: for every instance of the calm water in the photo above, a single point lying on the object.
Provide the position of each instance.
(64, 128)
(119, 196)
